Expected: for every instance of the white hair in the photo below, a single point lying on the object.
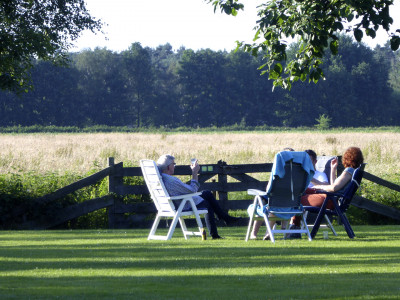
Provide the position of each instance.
(164, 161)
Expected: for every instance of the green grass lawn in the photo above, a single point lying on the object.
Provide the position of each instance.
(122, 264)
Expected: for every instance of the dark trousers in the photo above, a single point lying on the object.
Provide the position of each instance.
(211, 204)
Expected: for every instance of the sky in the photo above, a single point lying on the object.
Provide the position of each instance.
(188, 23)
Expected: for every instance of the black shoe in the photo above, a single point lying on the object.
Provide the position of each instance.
(232, 220)
(217, 237)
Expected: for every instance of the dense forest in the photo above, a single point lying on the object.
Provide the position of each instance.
(146, 87)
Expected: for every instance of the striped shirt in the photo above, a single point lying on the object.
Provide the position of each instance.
(176, 187)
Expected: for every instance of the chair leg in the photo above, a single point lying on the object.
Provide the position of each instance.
(154, 227)
(249, 228)
(319, 218)
(183, 227)
(347, 225)
(172, 227)
(305, 227)
(329, 224)
(344, 220)
(269, 229)
(200, 224)
(251, 218)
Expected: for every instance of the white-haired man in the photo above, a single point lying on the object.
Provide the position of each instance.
(175, 187)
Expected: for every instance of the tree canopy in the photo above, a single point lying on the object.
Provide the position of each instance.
(31, 29)
(143, 87)
(316, 25)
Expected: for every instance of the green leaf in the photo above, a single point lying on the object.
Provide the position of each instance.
(227, 10)
(334, 46)
(358, 34)
(278, 68)
(273, 75)
(370, 32)
(350, 17)
(337, 26)
(262, 66)
(395, 43)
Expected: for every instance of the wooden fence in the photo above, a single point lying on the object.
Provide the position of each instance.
(220, 178)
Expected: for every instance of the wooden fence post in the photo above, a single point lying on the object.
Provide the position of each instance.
(223, 180)
(114, 180)
(111, 190)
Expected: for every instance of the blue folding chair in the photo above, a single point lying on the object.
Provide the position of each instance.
(341, 202)
(290, 176)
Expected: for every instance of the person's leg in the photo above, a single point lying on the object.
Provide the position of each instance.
(271, 225)
(209, 218)
(315, 200)
(210, 199)
(284, 224)
(310, 200)
(256, 227)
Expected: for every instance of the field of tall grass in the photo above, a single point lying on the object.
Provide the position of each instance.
(79, 153)
(32, 165)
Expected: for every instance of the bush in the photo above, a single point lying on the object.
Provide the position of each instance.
(19, 194)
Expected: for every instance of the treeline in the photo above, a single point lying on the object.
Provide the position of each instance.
(146, 87)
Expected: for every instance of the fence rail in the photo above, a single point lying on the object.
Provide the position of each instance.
(220, 178)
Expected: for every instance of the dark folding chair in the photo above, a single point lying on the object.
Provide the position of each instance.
(341, 202)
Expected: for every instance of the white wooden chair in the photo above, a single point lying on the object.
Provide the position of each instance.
(165, 206)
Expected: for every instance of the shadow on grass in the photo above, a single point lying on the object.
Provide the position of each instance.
(124, 265)
(144, 256)
(227, 286)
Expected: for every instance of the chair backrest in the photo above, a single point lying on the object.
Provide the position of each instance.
(352, 188)
(286, 191)
(324, 165)
(155, 184)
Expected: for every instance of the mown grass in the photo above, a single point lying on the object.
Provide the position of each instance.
(122, 264)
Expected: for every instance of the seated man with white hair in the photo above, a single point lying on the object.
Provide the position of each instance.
(175, 187)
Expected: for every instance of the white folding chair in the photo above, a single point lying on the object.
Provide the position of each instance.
(165, 206)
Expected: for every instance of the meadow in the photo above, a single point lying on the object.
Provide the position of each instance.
(35, 164)
(81, 152)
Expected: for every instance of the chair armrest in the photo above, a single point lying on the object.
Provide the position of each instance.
(255, 192)
(329, 194)
(180, 197)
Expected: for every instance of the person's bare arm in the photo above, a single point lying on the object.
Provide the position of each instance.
(317, 182)
(339, 183)
(334, 164)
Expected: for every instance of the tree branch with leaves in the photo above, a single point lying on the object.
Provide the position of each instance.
(38, 29)
(316, 25)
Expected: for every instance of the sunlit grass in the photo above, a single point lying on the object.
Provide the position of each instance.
(122, 264)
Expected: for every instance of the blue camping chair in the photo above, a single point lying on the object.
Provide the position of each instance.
(341, 202)
(290, 176)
